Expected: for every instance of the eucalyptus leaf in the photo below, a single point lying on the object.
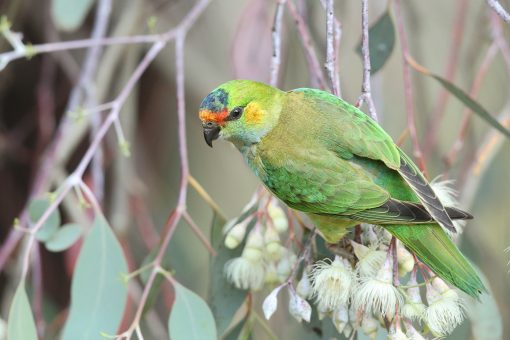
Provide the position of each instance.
(64, 238)
(98, 294)
(190, 318)
(381, 40)
(471, 104)
(70, 15)
(21, 323)
(36, 209)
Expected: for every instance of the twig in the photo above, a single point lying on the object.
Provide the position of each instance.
(10, 56)
(317, 77)
(180, 208)
(37, 285)
(408, 89)
(451, 68)
(89, 70)
(466, 117)
(499, 39)
(496, 6)
(276, 38)
(484, 157)
(366, 95)
(194, 227)
(333, 35)
(205, 196)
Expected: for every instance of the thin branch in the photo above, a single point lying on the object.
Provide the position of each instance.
(333, 35)
(451, 68)
(496, 6)
(485, 155)
(179, 210)
(205, 196)
(499, 39)
(366, 95)
(317, 77)
(276, 37)
(195, 228)
(10, 56)
(89, 71)
(408, 87)
(466, 117)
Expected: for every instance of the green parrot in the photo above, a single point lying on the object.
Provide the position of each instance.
(324, 157)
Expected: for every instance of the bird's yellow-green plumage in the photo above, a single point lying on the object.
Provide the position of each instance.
(323, 156)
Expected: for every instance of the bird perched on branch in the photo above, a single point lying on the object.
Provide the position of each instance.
(324, 157)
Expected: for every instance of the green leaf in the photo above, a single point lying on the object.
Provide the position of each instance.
(471, 103)
(21, 323)
(190, 318)
(381, 42)
(65, 237)
(36, 209)
(224, 298)
(69, 15)
(98, 294)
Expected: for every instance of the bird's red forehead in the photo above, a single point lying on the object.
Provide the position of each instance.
(217, 117)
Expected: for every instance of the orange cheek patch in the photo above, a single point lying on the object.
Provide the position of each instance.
(253, 114)
(210, 116)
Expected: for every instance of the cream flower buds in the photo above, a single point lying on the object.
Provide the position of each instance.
(369, 259)
(247, 271)
(405, 260)
(235, 232)
(273, 247)
(278, 217)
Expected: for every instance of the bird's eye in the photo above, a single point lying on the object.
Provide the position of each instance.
(236, 112)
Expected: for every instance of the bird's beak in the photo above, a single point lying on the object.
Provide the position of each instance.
(211, 132)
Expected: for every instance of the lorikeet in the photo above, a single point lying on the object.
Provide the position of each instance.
(324, 157)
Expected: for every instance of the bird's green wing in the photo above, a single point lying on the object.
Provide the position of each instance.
(349, 132)
(317, 181)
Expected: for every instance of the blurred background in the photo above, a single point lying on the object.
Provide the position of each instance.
(232, 39)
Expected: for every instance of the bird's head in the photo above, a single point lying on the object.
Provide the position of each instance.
(240, 111)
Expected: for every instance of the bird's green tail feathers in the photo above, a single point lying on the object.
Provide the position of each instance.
(434, 248)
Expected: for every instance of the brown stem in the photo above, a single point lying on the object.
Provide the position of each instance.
(317, 77)
(408, 88)
(451, 68)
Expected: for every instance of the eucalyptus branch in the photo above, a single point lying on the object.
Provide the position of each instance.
(466, 117)
(500, 10)
(451, 68)
(333, 36)
(366, 95)
(316, 74)
(408, 88)
(276, 38)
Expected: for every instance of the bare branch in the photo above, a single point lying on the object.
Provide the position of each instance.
(317, 77)
(408, 87)
(451, 68)
(366, 95)
(333, 35)
(276, 35)
(496, 6)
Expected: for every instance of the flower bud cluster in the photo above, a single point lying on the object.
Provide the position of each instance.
(367, 285)
(263, 259)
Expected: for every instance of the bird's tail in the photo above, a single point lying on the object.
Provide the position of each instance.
(434, 248)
